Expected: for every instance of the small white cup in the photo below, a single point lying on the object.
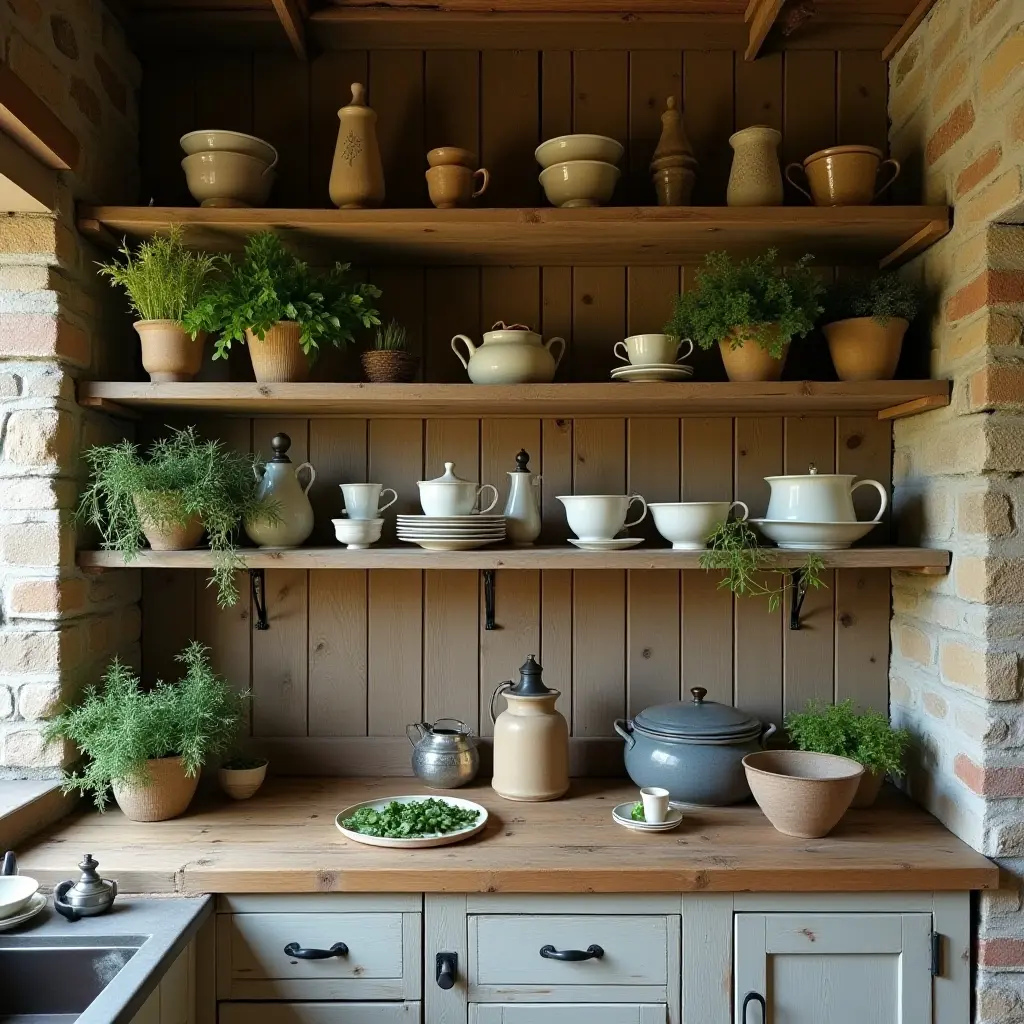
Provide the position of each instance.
(655, 800)
(362, 500)
(600, 516)
(689, 524)
(647, 349)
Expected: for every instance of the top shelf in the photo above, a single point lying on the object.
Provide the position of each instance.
(602, 236)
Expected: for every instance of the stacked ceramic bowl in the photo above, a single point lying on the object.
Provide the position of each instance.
(579, 170)
(451, 521)
(225, 168)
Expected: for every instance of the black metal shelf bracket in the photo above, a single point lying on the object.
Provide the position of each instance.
(489, 599)
(258, 581)
(797, 593)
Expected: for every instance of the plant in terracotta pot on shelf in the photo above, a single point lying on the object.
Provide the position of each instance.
(390, 361)
(164, 282)
(184, 486)
(752, 310)
(147, 745)
(282, 309)
(866, 737)
(865, 321)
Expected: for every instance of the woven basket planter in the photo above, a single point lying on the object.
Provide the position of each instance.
(168, 794)
(390, 367)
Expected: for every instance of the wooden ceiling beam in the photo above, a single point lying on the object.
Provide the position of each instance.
(907, 29)
(292, 14)
(761, 15)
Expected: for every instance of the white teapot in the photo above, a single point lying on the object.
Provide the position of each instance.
(818, 497)
(279, 484)
(510, 355)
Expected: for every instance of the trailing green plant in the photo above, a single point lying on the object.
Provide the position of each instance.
(391, 338)
(119, 725)
(734, 549)
(761, 301)
(182, 476)
(867, 736)
(163, 279)
(270, 284)
(883, 297)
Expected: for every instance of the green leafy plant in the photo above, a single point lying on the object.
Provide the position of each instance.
(867, 737)
(757, 298)
(163, 279)
(734, 548)
(637, 814)
(883, 297)
(270, 284)
(181, 477)
(118, 726)
(392, 338)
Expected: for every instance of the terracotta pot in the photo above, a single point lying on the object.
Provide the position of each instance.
(278, 358)
(242, 783)
(864, 349)
(168, 351)
(750, 362)
(390, 367)
(843, 175)
(801, 793)
(868, 789)
(168, 794)
(171, 537)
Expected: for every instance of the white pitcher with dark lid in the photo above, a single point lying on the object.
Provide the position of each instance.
(279, 486)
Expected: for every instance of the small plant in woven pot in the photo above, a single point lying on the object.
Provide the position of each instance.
(390, 361)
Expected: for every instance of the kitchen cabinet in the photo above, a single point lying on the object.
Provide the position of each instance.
(569, 1013)
(319, 1013)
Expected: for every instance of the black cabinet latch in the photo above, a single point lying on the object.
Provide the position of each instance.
(446, 969)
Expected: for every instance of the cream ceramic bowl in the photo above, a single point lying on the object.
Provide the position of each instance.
(578, 147)
(230, 142)
(600, 516)
(220, 178)
(356, 534)
(15, 892)
(689, 524)
(579, 183)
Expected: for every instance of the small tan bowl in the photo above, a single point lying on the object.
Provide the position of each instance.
(579, 183)
(578, 147)
(242, 783)
(220, 178)
(801, 793)
(232, 142)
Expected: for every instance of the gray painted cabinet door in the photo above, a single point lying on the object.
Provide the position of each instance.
(568, 1013)
(840, 968)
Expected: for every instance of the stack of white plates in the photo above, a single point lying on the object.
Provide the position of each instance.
(653, 371)
(621, 815)
(451, 533)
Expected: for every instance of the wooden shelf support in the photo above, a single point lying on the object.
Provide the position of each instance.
(762, 15)
(292, 14)
(907, 29)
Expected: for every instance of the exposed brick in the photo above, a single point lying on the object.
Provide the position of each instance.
(112, 84)
(934, 704)
(915, 645)
(899, 692)
(998, 1004)
(39, 700)
(46, 597)
(990, 580)
(41, 336)
(28, 10)
(997, 903)
(979, 727)
(950, 132)
(37, 71)
(28, 236)
(86, 99)
(24, 651)
(989, 674)
(25, 748)
(1000, 67)
(63, 33)
(908, 59)
(993, 200)
(997, 386)
(37, 493)
(996, 952)
(37, 544)
(40, 439)
(947, 43)
(978, 170)
(997, 783)
(979, 8)
(950, 82)
(6, 704)
(984, 512)
(988, 288)
(1015, 124)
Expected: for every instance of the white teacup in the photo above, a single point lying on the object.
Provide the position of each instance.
(647, 349)
(689, 524)
(362, 501)
(600, 516)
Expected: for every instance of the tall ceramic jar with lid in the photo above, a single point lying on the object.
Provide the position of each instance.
(357, 176)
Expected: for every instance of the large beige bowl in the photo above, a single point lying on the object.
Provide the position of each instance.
(578, 147)
(579, 183)
(220, 178)
(802, 794)
(229, 142)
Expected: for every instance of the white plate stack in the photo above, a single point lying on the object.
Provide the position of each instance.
(451, 533)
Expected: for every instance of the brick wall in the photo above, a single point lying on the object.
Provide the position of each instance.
(58, 627)
(957, 109)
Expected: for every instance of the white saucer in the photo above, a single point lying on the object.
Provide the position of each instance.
(812, 536)
(654, 372)
(476, 520)
(436, 544)
(614, 544)
(35, 906)
(621, 815)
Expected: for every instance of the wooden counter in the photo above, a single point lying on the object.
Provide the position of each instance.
(284, 840)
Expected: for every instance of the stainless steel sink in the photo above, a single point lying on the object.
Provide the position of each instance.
(53, 981)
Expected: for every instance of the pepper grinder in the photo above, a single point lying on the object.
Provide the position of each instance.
(522, 510)
(90, 896)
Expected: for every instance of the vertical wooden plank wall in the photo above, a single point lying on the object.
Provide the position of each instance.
(360, 654)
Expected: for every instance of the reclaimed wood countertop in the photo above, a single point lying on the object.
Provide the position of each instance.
(284, 840)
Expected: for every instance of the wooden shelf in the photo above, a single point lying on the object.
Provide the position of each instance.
(930, 561)
(889, 399)
(607, 236)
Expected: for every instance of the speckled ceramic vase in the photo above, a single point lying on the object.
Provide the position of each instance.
(756, 177)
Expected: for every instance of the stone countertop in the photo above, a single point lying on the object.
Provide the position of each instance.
(284, 840)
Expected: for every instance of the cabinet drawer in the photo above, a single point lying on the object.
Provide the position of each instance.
(568, 1013)
(319, 1013)
(505, 949)
(382, 962)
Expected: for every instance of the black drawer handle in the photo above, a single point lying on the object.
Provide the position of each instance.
(754, 997)
(295, 950)
(573, 955)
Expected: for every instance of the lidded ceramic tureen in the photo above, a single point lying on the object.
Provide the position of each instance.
(818, 497)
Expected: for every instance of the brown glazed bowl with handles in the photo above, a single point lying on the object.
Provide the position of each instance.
(844, 175)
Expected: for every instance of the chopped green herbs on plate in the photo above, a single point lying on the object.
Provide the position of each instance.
(411, 820)
(637, 813)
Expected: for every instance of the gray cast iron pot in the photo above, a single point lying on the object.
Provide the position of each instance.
(694, 750)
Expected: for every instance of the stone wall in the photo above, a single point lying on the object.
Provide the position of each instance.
(58, 627)
(957, 109)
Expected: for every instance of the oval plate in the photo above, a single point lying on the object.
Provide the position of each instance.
(417, 842)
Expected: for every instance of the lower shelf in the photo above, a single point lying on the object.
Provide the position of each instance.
(921, 560)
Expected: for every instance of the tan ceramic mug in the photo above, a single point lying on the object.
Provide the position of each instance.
(843, 175)
(451, 185)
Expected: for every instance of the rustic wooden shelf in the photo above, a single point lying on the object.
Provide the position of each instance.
(931, 561)
(607, 236)
(890, 399)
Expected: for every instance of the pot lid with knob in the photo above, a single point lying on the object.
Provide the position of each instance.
(530, 682)
(698, 719)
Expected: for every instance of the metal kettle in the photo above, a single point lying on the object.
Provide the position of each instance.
(88, 897)
(444, 754)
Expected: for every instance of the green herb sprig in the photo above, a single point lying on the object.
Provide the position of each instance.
(866, 737)
(883, 297)
(637, 814)
(391, 338)
(411, 820)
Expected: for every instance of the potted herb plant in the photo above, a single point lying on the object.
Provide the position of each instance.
(183, 487)
(240, 777)
(865, 321)
(866, 737)
(390, 361)
(752, 310)
(148, 745)
(273, 302)
(164, 282)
